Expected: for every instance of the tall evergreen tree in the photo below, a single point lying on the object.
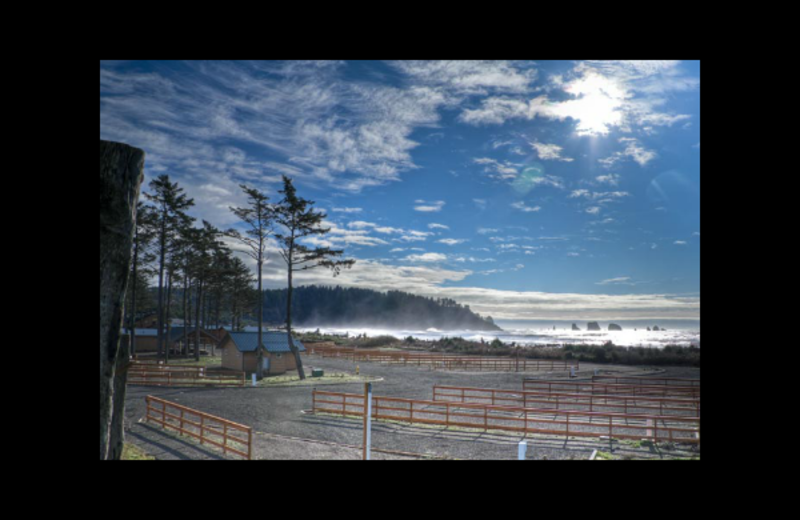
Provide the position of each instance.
(259, 216)
(138, 294)
(170, 206)
(204, 243)
(299, 220)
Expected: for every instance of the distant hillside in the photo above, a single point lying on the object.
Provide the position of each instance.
(315, 306)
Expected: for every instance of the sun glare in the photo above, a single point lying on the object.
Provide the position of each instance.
(598, 104)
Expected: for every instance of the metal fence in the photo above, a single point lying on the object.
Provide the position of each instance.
(575, 387)
(169, 375)
(567, 401)
(570, 423)
(444, 361)
(645, 380)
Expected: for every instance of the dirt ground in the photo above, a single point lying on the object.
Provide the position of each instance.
(284, 429)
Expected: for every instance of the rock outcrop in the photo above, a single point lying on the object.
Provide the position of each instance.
(121, 175)
(592, 325)
(655, 327)
(614, 326)
(575, 327)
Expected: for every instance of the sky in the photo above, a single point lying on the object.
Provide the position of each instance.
(529, 190)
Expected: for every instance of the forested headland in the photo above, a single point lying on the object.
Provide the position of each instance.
(316, 306)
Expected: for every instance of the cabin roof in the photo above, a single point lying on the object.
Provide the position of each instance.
(274, 341)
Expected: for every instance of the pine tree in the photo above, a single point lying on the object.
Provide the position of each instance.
(138, 296)
(170, 205)
(259, 217)
(299, 220)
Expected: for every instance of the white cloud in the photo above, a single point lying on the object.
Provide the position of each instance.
(622, 280)
(527, 209)
(499, 170)
(437, 226)
(427, 257)
(429, 207)
(469, 77)
(291, 111)
(550, 152)
(452, 241)
(487, 231)
(680, 242)
(633, 149)
(594, 210)
(611, 179)
(347, 210)
(602, 96)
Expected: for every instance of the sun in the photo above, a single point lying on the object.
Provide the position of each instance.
(598, 104)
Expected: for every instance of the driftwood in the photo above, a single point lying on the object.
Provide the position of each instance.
(121, 175)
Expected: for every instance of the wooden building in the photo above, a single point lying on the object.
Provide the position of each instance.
(147, 340)
(239, 352)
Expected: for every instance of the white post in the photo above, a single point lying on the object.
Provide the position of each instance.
(254, 380)
(523, 448)
(368, 422)
(572, 371)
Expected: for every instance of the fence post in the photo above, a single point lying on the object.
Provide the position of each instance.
(522, 450)
(367, 419)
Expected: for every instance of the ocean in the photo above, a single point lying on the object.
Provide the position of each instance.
(634, 333)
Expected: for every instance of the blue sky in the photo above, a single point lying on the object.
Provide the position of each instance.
(528, 190)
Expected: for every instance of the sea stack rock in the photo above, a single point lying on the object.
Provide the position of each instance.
(648, 329)
(614, 326)
(592, 325)
(575, 327)
(655, 327)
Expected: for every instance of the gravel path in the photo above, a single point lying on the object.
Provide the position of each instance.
(282, 429)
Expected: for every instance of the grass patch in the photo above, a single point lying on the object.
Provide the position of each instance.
(133, 452)
(332, 378)
(604, 455)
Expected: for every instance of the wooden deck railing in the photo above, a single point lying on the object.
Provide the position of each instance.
(567, 401)
(575, 387)
(206, 428)
(569, 423)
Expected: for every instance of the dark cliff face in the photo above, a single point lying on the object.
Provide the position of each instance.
(593, 325)
(575, 327)
(614, 326)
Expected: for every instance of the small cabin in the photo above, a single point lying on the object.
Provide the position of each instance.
(239, 352)
(147, 340)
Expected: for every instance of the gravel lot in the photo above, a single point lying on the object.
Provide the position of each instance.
(282, 429)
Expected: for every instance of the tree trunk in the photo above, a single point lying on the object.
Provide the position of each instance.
(121, 176)
(185, 350)
(259, 350)
(295, 351)
(197, 324)
(162, 260)
(168, 318)
(132, 326)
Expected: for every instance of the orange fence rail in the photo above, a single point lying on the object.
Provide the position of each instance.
(207, 428)
(443, 361)
(569, 423)
(567, 401)
(645, 380)
(550, 385)
(166, 375)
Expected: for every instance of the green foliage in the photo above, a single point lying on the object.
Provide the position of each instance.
(338, 306)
